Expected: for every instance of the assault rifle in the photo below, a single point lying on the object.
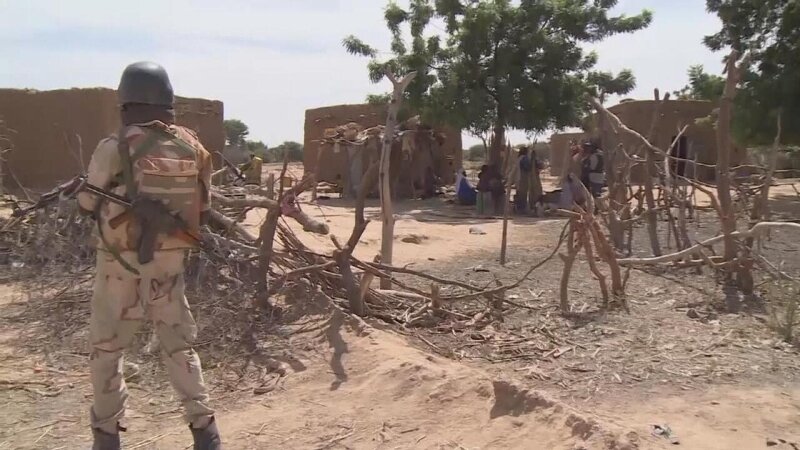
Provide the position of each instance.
(152, 215)
(239, 175)
(68, 190)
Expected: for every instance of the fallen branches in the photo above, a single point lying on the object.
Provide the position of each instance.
(757, 230)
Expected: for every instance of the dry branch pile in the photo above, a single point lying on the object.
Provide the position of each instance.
(250, 268)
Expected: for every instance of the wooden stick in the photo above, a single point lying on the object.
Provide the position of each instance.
(230, 225)
(587, 246)
(755, 231)
(387, 235)
(355, 293)
(651, 151)
(569, 260)
(250, 202)
(507, 207)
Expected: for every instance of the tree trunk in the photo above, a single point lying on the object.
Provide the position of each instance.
(498, 143)
(387, 235)
(724, 158)
(728, 215)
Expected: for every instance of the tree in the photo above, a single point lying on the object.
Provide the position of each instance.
(294, 150)
(702, 86)
(235, 131)
(602, 84)
(379, 99)
(475, 153)
(257, 148)
(500, 64)
(767, 33)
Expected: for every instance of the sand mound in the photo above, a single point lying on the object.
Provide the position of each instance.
(370, 389)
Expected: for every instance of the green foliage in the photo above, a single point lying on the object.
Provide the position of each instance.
(354, 46)
(275, 154)
(257, 148)
(500, 64)
(602, 84)
(769, 32)
(475, 153)
(379, 99)
(235, 131)
(294, 150)
(702, 86)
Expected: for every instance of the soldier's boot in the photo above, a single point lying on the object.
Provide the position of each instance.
(105, 441)
(207, 438)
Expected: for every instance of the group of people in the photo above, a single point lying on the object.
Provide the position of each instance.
(490, 193)
(528, 198)
(587, 167)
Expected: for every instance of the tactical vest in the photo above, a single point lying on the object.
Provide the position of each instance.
(161, 166)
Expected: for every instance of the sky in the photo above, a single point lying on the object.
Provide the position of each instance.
(270, 60)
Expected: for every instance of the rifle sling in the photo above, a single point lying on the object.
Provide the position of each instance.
(110, 248)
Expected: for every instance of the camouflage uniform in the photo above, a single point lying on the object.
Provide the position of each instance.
(122, 298)
(252, 171)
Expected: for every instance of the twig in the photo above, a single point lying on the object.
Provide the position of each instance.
(335, 440)
(150, 440)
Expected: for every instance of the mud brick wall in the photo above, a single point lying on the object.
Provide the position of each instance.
(43, 121)
(638, 115)
(333, 164)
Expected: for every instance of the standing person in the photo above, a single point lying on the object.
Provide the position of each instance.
(150, 160)
(592, 170)
(523, 180)
(484, 193)
(535, 191)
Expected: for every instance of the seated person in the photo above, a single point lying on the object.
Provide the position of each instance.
(466, 194)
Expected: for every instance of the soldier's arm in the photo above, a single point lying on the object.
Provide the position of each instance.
(103, 167)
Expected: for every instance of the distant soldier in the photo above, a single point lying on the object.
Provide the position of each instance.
(150, 159)
(252, 170)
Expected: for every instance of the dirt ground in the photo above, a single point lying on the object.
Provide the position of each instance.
(319, 379)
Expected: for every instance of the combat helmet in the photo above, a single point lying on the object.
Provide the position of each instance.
(145, 83)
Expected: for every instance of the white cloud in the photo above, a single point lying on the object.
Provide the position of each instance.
(269, 61)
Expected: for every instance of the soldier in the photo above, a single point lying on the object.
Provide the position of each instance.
(252, 170)
(150, 158)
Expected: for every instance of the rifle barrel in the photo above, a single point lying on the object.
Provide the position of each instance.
(109, 195)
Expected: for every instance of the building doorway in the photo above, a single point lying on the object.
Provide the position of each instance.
(679, 150)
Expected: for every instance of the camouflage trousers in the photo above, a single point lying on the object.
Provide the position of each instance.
(121, 301)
